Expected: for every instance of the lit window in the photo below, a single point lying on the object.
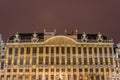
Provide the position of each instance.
(27, 60)
(40, 50)
(85, 61)
(90, 50)
(47, 60)
(10, 51)
(40, 60)
(57, 60)
(28, 50)
(34, 51)
(79, 50)
(73, 50)
(62, 50)
(16, 52)
(22, 50)
(47, 50)
(33, 60)
(57, 50)
(15, 61)
(52, 49)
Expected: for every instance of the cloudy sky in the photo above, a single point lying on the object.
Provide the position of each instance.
(90, 16)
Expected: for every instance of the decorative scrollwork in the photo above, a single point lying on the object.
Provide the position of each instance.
(17, 38)
(99, 37)
(84, 37)
(34, 38)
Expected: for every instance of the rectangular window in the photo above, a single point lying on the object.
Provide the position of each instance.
(9, 60)
(52, 61)
(33, 60)
(16, 52)
(100, 51)
(110, 51)
(80, 70)
(106, 61)
(84, 50)
(27, 60)
(41, 50)
(111, 61)
(14, 70)
(57, 60)
(80, 61)
(2, 65)
(28, 50)
(10, 51)
(33, 77)
(73, 50)
(57, 50)
(21, 60)
(90, 59)
(62, 50)
(105, 51)
(68, 60)
(79, 50)
(74, 60)
(101, 60)
(26, 70)
(90, 50)
(85, 61)
(96, 61)
(22, 50)
(20, 70)
(46, 70)
(15, 61)
(63, 60)
(52, 49)
(34, 50)
(91, 70)
(74, 77)
(40, 70)
(8, 70)
(33, 70)
(40, 60)
(46, 60)
(95, 50)
(47, 50)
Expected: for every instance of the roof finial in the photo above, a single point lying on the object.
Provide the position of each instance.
(76, 31)
(65, 31)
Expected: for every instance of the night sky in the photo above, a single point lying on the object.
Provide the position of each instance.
(90, 16)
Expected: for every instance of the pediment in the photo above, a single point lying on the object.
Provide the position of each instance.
(60, 40)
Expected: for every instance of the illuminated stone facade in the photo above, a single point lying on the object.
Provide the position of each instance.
(117, 61)
(47, 56)
(2, 56)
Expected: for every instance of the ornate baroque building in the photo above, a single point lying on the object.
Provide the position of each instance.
(2, 56)
(47, 56)
(117, 61)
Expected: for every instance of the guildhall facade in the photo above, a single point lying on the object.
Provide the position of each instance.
(48, 56)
